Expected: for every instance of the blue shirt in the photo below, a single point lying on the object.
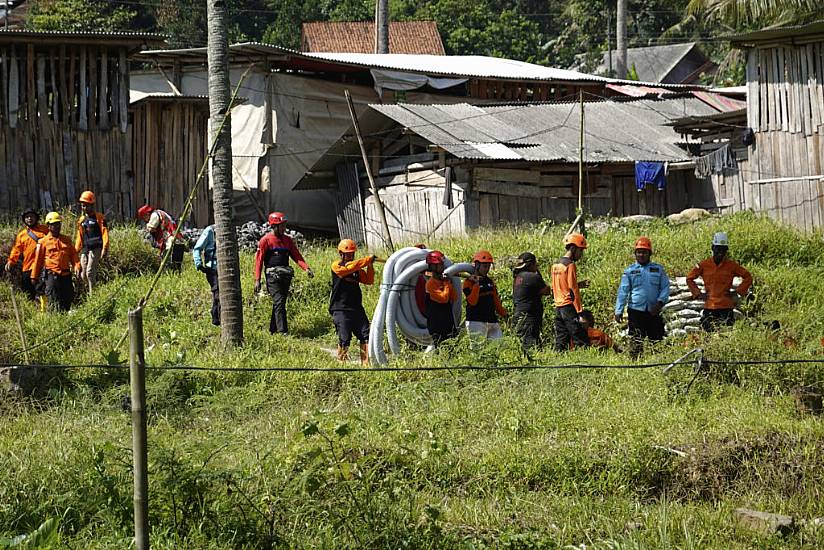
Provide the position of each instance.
(641, 287)
(205, 251)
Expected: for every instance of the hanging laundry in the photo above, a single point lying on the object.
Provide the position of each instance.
(650, 173)
(720, 161)
(447, 192)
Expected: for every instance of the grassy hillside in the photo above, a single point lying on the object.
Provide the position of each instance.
(448, 459)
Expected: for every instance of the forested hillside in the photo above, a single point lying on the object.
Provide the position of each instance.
(545, 32)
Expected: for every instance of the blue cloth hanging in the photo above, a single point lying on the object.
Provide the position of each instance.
(650, 173)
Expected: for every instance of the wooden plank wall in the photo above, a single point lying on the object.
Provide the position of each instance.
(62, 127)
(786, 111)
(169, 147)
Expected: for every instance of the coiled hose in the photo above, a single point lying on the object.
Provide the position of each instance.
(397, 308)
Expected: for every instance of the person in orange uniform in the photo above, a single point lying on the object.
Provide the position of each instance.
(92, 240)
(717, 273)
(567, 295)
(57, 256)
(24, 248)
(440, 295)
(346, 299)
(483, 304)
(597, 338)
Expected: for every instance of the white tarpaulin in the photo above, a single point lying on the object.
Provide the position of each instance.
(396, 80)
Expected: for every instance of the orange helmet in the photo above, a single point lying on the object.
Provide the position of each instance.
(87, 197)
(643, 243)
(483, 256)
(347, 245)
(577, 239)
(435, 257)
(277, 218)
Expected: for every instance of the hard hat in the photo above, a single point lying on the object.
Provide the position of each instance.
(29, 211)
(483, 257)
(434, 257)
(577, 239)
(87, 197)
(53, 217)
(144, 211)
(277, 218)
(347, 245)
(643, 243)
(720, 239)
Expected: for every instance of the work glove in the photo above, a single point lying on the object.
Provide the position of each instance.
(257, 286)
(619, 318)
(310, 273)
(202, 268)
(583, 284)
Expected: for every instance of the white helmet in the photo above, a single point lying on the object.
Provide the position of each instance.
(720, 239)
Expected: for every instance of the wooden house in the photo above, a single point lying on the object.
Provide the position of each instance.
(785, 111)
(64, 119)
(446, 168)
(295, 107)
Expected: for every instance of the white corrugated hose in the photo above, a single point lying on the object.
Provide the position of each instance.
(397, 308)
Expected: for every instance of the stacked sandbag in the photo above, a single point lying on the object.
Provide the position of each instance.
(681, 313)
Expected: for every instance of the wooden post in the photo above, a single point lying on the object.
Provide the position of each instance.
(20, 325)
(374, 187)
(137, 377)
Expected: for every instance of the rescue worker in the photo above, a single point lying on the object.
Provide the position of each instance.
(440, 295)
(346, 299)
(718, 272)
(92, 239)
(528, 290)
(204, 255)
(161, 226)
(597, 338)
(24, 248)
(643, 291)
(483, 304)
(567, 295)
(56, 256)
(272, 256)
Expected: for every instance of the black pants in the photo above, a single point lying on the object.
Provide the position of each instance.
(568, 329)
(528, 329)
(711, 319)
(441, 328)
(211, 276)
(176, 259)
(642, 324)
(60, 291)
(28, 286)
(278, 288)
(348, 323)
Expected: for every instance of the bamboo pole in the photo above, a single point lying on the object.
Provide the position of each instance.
(378, 203)
(20, 325)
(137, 378)
(581, 217)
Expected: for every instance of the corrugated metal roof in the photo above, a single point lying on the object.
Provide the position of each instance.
(84, 34)
(614, 131)
(652, 63)
(813, 29)
(454, 66)
(409, 37)
(132, 40)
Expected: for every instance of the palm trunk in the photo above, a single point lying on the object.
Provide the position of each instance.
(621, 39)
(228, 263)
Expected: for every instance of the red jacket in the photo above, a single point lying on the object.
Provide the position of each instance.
(271, 243)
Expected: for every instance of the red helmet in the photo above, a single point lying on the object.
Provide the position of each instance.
(144, 211)
(434, 257)
(277, 218)
(643, 243)
(483, 256)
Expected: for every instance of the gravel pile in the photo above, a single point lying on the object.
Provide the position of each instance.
(248, 235)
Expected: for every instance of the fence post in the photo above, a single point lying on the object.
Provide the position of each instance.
(137, 379)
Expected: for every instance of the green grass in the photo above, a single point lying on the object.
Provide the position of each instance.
(501, 459)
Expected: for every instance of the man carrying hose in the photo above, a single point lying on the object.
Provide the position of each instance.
(717, 273)
(24, 248)
(440, 295)
(346, 299)
(483, 304)
(273, 253)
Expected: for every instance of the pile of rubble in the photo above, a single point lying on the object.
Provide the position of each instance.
(248, 235)
(682, 314)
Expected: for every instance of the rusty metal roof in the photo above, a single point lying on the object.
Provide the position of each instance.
(134, 40)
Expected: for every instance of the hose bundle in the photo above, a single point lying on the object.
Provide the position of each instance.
(397, 308)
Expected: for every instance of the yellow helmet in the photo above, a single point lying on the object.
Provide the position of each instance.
(53, 217)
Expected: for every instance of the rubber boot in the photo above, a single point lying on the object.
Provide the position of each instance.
(343, 354)
(364, 354)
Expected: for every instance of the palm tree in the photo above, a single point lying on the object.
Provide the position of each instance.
(743, 14)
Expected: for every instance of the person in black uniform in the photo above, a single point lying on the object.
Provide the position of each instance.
(346, 300)
(528, 290)
(440, 295)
